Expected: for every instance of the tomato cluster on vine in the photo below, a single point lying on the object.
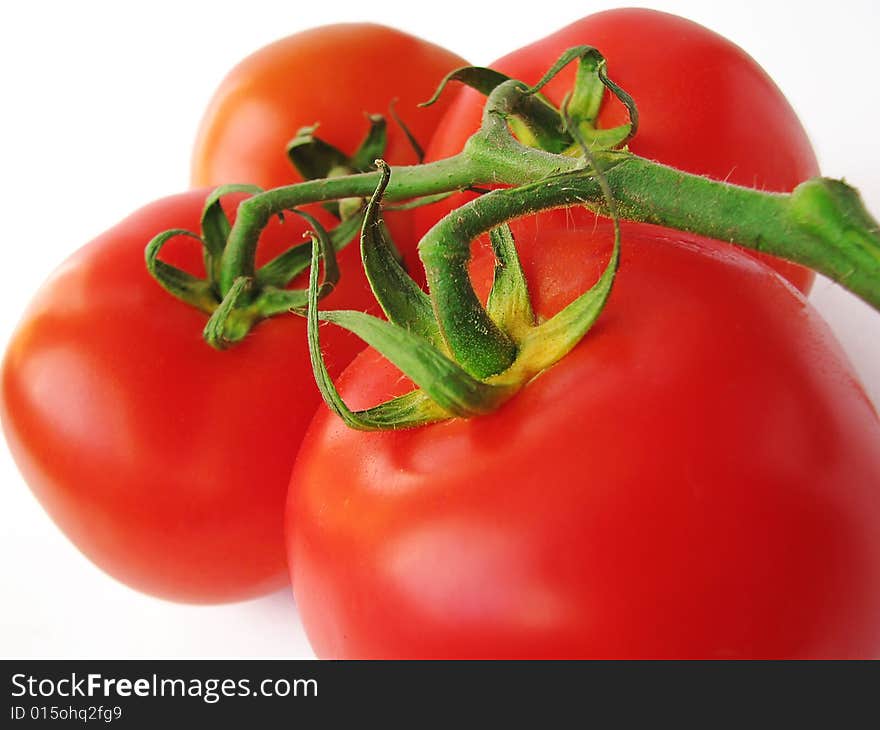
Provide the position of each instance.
(697, 478)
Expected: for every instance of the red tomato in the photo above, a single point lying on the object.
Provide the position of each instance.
(705, 106)
(332, 75)
(165, 461)
(697, 479)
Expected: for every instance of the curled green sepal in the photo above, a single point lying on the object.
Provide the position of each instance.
(327, 252)
(228, 324)
(285, 267)
(316, 159)
(204, 294)
(480, 78)
(406, 411)
(177, 282)
(245, 304)
(372, 145)
(550, 341)
(313, 157)
(537, 122)
(407, 132)
(445, 390)
(582, 105)
(403, 302)
(444, 381)
(509, 304)
(215, 228)
(547, 343)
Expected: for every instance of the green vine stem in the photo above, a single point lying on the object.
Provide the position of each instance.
(821, 224)
(255, 213)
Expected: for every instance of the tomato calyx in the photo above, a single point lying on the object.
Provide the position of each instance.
(413, 339)
(315, 158)
(249, 297)
(536, 122)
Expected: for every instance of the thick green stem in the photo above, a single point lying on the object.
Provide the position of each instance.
(406, 182)
(552, 163)
(822, 224)
(491, 157)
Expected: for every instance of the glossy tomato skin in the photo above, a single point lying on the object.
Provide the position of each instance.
(698, 479)
(332, 75)
(705, 106)
(164, 461)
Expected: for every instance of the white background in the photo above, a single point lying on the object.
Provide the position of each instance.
(101, 101)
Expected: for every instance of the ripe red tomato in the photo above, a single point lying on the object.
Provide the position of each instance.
(705, 106)
(165, 461)
(697, 479)
(332, 75)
